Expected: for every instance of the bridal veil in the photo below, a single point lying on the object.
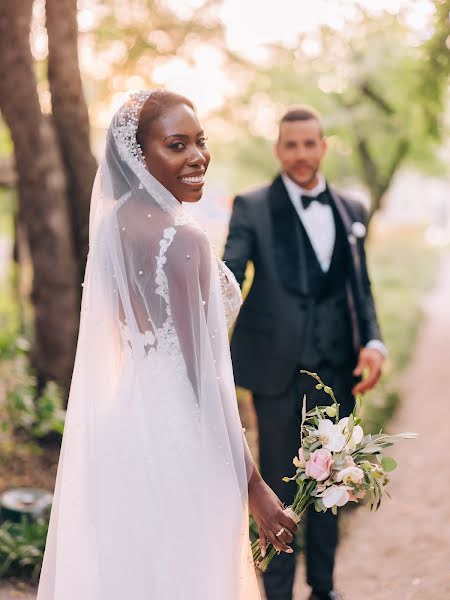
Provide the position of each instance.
(151, 493)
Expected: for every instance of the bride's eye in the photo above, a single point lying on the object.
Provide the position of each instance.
(202, 142)
(178, 146)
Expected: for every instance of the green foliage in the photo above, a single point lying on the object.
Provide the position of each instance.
(6, 148)
(38, 416)
(436, 70)
(22, 409)
(22, 548)
(49, 415)
(9, 325)
(9, 308)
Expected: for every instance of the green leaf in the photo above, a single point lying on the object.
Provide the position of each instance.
(314, 446)
(371, 449)
(388, 463)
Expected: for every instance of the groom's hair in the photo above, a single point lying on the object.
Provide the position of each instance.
(302, 113)
(155, 106)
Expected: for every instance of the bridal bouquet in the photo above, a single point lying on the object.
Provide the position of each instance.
(336, 464)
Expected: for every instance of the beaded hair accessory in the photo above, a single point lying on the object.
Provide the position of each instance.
(127, 123)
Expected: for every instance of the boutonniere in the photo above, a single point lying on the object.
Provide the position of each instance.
(358, 229)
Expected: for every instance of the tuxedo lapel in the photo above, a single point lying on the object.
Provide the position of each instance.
(289, 253)
(355, 291)
(347, 222)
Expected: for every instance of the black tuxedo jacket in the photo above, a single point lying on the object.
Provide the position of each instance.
(269, 330)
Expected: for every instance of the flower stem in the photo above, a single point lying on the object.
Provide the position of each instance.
(301, 502)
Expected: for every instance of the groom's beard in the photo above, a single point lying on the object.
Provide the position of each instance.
(305, 179)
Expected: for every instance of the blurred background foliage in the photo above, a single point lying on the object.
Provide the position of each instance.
(378, 74)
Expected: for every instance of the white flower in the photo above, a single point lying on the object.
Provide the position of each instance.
(357, 433)
(335, 495)
(350, 475)
(299, 461)
(330, 435)
(358, 229)
(331, 410)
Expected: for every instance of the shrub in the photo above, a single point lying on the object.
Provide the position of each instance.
(22, 548)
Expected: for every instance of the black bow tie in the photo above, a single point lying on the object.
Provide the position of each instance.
(322, 198)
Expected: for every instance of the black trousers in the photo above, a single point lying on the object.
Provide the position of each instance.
(279, 419)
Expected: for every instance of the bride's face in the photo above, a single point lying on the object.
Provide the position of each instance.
(176, 153)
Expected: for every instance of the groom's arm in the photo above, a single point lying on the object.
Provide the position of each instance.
(240, 241)
(373, 352)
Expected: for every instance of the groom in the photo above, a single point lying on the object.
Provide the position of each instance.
(310, 307)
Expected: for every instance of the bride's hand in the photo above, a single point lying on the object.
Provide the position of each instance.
(267, 510)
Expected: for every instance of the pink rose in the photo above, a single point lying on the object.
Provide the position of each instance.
(319, 464)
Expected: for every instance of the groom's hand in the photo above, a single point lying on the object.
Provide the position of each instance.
(369, 366)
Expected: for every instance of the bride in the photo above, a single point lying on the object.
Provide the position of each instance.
(155, 478)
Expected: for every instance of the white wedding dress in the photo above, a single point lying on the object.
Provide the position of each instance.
(151, 493)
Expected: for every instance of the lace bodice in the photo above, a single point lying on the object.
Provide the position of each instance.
(231, 293)
(165, 338)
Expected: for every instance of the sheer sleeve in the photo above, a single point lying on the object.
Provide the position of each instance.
(188, 270)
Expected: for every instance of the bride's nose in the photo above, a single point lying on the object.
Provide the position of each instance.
(196, 157)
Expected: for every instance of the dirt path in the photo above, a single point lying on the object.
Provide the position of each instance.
(403, 551)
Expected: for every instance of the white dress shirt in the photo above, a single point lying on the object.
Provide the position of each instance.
(318, 222)
(317, 219)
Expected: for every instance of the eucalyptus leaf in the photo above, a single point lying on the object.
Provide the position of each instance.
(371, 449)
(315, 446)
(388, 463)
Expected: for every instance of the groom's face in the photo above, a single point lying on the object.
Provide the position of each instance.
(300, 150)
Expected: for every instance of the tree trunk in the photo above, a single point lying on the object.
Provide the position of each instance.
(42, 200)
(71, 117)
(377, 182)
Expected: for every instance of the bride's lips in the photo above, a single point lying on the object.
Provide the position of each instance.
(193, 180)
